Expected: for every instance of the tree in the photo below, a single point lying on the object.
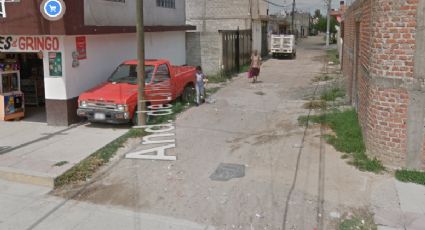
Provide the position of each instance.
(321, 25)
(317, 14)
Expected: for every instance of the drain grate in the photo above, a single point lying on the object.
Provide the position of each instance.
(225, 172)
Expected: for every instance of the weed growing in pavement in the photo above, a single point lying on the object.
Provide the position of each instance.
(404, 175)
(223, 76)
(177, 107)
(333, 56)
(217, 78)
(320, 78)
(60, 163)
(315, 104)
(348, 137)
(244, 68)
(360, 220)
(332, 94)
(86, 168)
(210, 91)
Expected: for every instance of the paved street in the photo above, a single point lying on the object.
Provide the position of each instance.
(292, 179)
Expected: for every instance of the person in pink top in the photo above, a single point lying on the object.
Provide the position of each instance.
(254, 69)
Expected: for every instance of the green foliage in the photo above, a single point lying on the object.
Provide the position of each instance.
(315, 104)
(219, 78)
(410, 176)
(212, 90)
(245, 68)
(320, 78)
(332, 94)
(60, 163)
(357, 223)
(348, 137)
(317, 14)
(333, 55)
(323, 22)
(86, 168)
(177, 108)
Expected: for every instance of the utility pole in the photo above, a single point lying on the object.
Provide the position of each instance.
(141, 106)
(293, 17)
(328, 28)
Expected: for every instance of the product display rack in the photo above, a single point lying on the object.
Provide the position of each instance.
(11, 96)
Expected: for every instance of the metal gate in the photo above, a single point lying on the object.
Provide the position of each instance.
(264, 39)
(237, 46)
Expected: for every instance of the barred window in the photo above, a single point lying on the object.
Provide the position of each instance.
(166, 3)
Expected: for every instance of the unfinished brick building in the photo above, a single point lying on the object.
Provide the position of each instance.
(384, 65)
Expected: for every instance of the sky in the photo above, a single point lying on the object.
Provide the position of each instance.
(304, 5)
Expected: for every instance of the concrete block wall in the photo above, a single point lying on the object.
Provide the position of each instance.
(204, 49)
(385, 69)
(211, 16)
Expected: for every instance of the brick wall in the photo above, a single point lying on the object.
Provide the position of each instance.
(385, 64)
(394, 24)
(386, 135)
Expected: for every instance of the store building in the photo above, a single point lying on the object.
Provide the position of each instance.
(57, 60)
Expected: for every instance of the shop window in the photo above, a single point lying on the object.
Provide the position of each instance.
(166, 3)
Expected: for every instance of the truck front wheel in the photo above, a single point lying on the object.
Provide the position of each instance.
(134, 121)
(188, 95)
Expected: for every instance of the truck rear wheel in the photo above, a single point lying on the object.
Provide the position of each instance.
(188, 95)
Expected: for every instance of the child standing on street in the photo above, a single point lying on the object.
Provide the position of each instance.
(200, 89)
(254, 70)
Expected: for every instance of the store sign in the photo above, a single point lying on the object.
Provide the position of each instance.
(55, 64)
(81, 45)
(52, 10)
(29, 43)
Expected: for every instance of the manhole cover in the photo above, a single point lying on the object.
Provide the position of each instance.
(260, 93)
(225, 172)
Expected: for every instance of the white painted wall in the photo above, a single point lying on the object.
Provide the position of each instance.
(106, 13)
(106, 52)
(55, 87)
(168, 45)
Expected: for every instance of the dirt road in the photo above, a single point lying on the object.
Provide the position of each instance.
(292, 180)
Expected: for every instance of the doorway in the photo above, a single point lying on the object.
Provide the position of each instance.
(30, 67)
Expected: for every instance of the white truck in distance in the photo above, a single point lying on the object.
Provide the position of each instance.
(283, 45)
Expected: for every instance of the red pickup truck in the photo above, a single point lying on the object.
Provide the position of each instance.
(115, 101)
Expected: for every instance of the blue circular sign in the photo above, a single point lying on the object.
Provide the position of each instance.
(52, 9)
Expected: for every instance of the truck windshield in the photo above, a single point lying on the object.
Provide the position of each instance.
(128, 74)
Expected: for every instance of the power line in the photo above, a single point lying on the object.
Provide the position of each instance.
(275, 4)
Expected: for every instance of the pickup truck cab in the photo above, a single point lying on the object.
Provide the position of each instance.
(115, 101)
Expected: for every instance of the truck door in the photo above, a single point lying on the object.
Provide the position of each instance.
(162, 81)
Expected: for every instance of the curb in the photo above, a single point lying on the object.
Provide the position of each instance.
(26, 177)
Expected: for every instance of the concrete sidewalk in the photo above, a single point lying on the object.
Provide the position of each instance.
(26, 206)
(30, 150)
(398, 205)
